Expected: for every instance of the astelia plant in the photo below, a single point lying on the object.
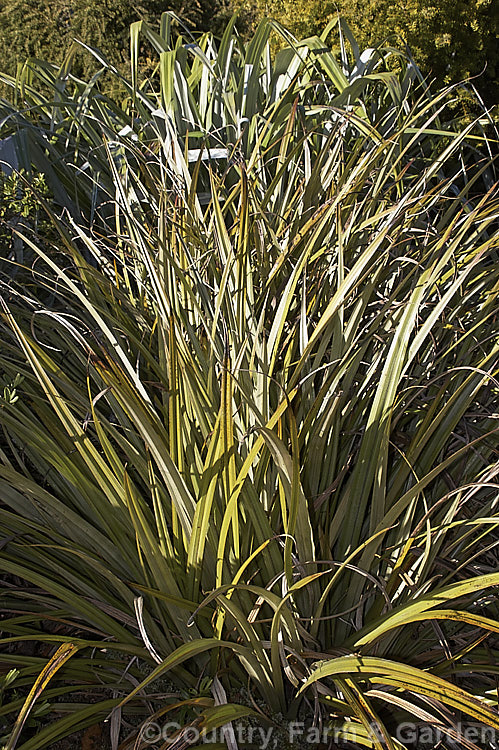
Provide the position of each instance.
(250, 470)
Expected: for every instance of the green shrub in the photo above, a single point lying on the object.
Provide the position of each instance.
(46, 30)
(20, 210)
(450, 40)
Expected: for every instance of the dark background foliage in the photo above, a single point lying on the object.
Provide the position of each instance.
(46, 29)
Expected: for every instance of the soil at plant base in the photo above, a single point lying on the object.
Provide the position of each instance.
(95, 737)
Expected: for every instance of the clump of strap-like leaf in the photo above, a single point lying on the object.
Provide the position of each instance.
(252, 442)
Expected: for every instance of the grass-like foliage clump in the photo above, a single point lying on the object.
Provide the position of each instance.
(249, 410)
